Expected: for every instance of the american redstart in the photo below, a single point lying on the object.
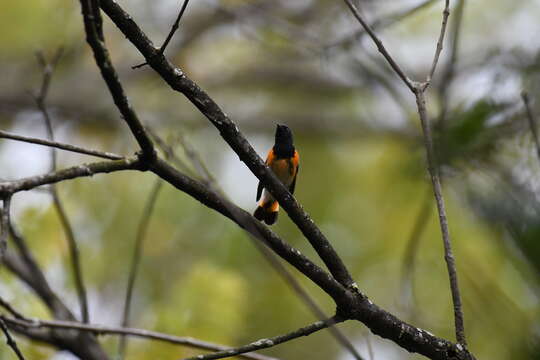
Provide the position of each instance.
(283, 160)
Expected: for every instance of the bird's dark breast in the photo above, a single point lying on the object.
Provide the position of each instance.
(283, 151)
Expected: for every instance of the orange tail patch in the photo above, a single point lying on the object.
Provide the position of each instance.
(267, 212)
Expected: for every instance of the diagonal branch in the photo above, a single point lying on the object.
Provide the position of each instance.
(64, 220)
(62, 146)
(10, 341)
(232, 135)
(94, 37)
(270, 342)
(351, 304)
(446, 13)
(25, 267)
(532, 121)
(209, 180)
(410, 84)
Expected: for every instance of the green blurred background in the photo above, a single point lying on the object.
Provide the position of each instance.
(363, 176)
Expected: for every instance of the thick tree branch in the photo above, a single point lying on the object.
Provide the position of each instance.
(214, 201)
(111, 330)
(231, 134)
(270, 342)
(62, 146)
(94, 37)
(209, 180)
(350, 304)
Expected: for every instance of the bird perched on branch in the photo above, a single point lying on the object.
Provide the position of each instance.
(283, 160)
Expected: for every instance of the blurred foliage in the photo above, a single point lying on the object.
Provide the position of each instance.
(362, 178)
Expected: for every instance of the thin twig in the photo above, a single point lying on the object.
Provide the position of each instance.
(532, 121)
(4, 224)
(449, 70)
(270, 342)
(137, 252)
(379, 45)
(10, 309)
(111, 330)
(197, 162)
(10, 341)
(169, 153)
(446, 13)
(418, 90)
(62, 146)
(379, 24)
(439, 199)
(171, 33)
(64, 220)
(83, 170)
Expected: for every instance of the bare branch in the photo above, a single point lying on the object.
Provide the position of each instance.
(272, 259)
(26, 269)
(380, 23)
(171, 33)
(64, 220)
(380, 45)
(446, 13)
(111, 330)
(270, 342)
(137, 252)
(58, 145)
(305, 297)
(418, 89)
(4, 224)
(94, 37)
(351, 304)
(450, 68)
(10, 341)
(90, 169)
(232, 135)
(532, 121)
(439, 199)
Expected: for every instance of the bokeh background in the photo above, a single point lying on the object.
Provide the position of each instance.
(363, 176)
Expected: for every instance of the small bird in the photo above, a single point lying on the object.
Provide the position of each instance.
(283, 160)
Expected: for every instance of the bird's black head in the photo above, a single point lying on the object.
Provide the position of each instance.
(283, 148)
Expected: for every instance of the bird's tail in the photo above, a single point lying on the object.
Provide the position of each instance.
(267, 212)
